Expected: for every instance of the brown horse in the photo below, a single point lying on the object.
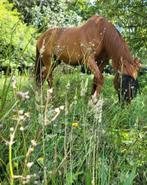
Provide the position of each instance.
(92, 44)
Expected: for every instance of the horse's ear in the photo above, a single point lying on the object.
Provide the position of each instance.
(137, 63)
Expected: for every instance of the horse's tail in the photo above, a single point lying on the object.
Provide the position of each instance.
(38, 65)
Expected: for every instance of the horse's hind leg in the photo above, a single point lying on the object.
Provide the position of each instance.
(54, 64)
(46, 72)
(98, 77)
(50, 64)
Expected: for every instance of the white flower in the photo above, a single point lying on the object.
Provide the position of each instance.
(50, 91)
(20, 112)
(27, 114)
(84, 86)
(14, 82)
(21, 118)
(11, 129)
(61, 107)
(23, 95)
(21, 128)
(57, 110)
(30, 164)
(33, 142)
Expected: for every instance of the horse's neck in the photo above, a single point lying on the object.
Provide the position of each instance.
(118, 50)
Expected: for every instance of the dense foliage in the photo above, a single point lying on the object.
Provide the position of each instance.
(48, 13)
(16, 39)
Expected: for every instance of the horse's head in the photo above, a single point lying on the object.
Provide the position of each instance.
(127, 85)
(128, 88)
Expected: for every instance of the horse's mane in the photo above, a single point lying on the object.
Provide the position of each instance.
(115, 45)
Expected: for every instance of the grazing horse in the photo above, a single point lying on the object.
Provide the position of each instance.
(91, 44)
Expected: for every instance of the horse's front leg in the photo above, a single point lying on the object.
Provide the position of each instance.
(98, 80)
(117, 84)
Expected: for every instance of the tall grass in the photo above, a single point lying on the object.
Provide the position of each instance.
(56, 137)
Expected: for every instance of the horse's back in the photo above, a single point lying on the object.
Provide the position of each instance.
(79, 42)
(47, 37)
(73, 44)
(82, 34)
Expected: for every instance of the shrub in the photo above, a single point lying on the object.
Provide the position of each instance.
(17, 39)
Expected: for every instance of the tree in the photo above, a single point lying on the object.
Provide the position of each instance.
(47, 13)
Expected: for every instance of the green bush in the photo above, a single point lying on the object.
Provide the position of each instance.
(17, 39)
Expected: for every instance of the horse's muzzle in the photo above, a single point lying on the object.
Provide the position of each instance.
(128, 88)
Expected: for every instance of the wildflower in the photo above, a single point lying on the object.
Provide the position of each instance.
(75, 125)
(30, 150)
(20, 112)
(57, 110)
(23, 95)
(33, 142)
(61, 107)
(27, 114)
(21, 128)
(30, 164)
(11, 129)
(21, 117)
(84, 86)
(50, 91)
(14, 82)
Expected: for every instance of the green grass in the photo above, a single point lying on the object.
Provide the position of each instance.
(43, 144)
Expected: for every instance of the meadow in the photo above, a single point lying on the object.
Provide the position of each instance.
(54, 136)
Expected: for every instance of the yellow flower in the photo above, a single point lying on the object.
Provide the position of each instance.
(75, 124)
(40, 161)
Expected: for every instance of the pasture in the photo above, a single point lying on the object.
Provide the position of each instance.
(58, 138)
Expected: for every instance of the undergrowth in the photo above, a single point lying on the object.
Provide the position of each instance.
(56, 137)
